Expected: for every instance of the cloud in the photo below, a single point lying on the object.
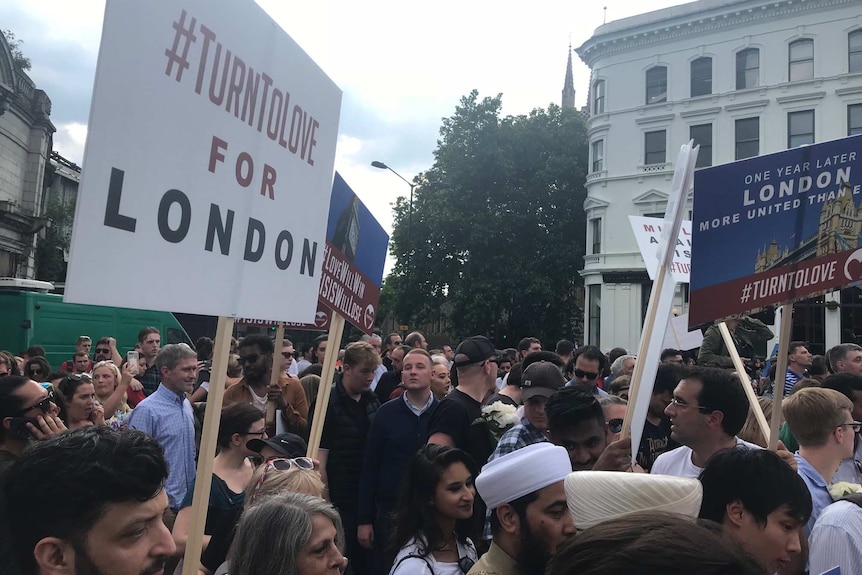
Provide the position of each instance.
(69, 140)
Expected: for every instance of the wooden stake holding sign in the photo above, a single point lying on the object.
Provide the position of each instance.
(212, 418)
(275, 373)
(740, 370)
(780, 372)
(333, 341)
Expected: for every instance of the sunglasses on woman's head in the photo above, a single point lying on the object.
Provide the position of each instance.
(281, 464)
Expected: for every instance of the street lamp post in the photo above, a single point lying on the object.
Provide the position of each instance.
(383, 166)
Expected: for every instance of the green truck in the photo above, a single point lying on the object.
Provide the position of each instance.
(29, 315)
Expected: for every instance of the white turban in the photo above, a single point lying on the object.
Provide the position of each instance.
(597, 496)
(522, 472)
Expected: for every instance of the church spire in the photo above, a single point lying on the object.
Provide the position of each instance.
(569, 84)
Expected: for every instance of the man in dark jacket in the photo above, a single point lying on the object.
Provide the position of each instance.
(400, 428)
(351, 410)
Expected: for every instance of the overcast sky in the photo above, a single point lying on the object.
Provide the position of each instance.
(402, 67)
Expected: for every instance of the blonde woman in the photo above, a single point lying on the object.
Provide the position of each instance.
(111, 389)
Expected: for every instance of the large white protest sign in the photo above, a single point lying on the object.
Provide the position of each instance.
(208, 167)
(647, 231)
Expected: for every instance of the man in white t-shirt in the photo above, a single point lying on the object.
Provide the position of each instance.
(708, 409)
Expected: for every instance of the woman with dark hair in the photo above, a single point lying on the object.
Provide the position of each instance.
(232, 471)
(80, 408)
(433, 514)
(37, 368)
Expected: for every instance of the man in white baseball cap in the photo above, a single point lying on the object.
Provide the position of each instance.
(529, 517)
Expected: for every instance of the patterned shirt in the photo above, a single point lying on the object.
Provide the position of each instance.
(520, 436)
(150, 379)
(168, 418)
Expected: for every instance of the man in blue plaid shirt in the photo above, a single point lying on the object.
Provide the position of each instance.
(538, 382)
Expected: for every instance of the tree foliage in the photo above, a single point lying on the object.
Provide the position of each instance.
(15, 43)
(50, 252)
(496, 237)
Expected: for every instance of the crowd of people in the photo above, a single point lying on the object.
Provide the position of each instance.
(463, 459)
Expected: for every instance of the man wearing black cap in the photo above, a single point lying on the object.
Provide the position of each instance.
(452, 423)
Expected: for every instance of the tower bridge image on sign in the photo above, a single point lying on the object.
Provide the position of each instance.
(839, 229)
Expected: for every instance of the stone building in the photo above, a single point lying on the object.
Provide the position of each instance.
(740, 77)
(26, 135)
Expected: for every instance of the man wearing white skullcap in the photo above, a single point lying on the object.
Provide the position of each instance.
(529, 519)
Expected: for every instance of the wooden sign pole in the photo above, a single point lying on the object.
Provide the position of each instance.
(203, 481)
(275, 373)
(780, 371)
(743, 378)
(336, 329)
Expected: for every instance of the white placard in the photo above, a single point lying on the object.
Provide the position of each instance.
(208, 167)
(647, 232)
(677, 335)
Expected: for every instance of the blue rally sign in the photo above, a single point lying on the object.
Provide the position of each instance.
(776, 228)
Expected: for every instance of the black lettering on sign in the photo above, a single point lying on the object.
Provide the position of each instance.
(283, 237)
(113, 218)
(223, 228)
(170, 198)
(309, 256)
(255, 227)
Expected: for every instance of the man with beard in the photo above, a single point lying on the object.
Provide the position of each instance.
(113, 524)
(529, 518)
(256, 359)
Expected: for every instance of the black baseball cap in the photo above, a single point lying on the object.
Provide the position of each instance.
(287, 444)
(474, 350)
(541, 379)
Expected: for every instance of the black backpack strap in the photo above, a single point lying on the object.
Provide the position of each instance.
(414, 556)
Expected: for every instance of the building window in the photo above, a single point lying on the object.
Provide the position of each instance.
(701, 77)
(597, 152)
(800, 128)
(747, 138)
(702, 136)
(747, 69)
(854, 41)
(596, 230)
(655, 146)
(656, 85)
(854, 119)
(801, 60)
(599, 97)
(594, 316)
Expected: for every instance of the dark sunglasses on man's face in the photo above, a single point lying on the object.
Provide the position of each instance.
(585, 374)
(250, 358)
(45, 405)
(108, 351)
(286, 354)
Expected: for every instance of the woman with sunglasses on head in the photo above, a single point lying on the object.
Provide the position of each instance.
(81, 408)
(277, 475)
(433, 514)
(232, 472)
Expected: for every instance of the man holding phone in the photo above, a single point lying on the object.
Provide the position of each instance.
(27, 412)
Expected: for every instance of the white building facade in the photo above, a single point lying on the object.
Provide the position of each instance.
(740, 77)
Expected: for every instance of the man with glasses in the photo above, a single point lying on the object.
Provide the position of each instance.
(821, 421)
(588, 363)
(850, 385)
(106, 350)
(256, 359)
(27, 412)
(289, 364)
(390, 342)
(707, 410)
